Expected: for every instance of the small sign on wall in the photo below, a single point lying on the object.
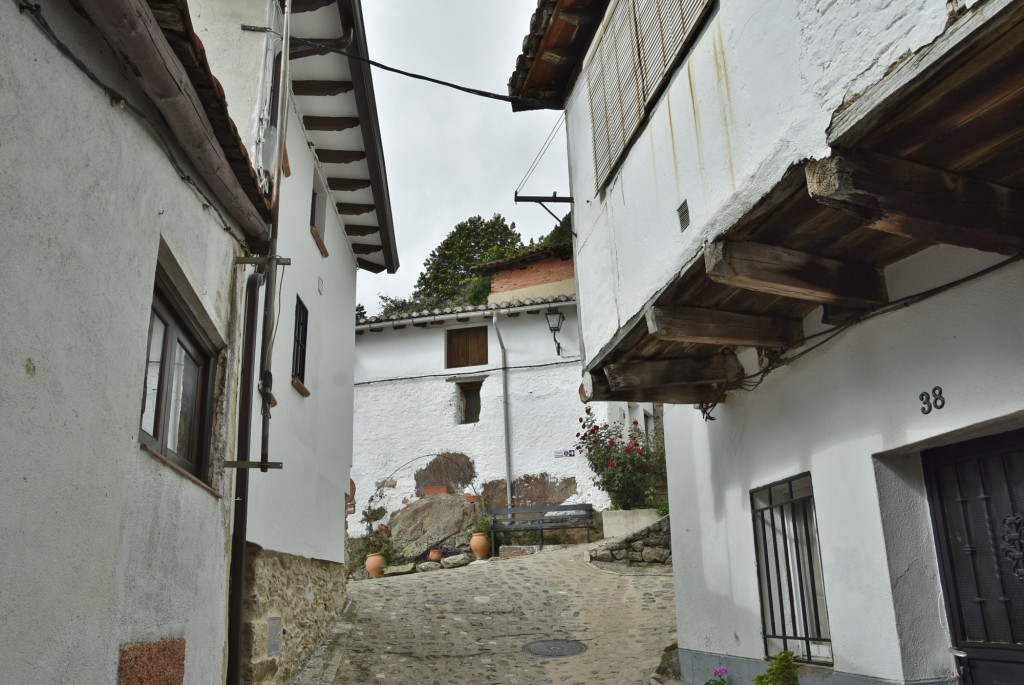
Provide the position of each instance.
(563, 454)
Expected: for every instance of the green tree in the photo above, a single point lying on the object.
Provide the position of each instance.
(360, 311)
(560, 234)
(446, 278)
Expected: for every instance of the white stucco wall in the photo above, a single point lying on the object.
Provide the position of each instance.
(406, 409)
(828, 414)
(755, 95)
(300, 509)
(102, 544)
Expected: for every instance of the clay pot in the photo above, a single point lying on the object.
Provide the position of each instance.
(481, 545)
(471, 499)
(375, 565)
(434, 554)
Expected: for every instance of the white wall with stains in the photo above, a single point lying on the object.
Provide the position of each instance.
(102, 544)
(407, 406)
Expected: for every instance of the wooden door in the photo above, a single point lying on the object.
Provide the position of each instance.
(976, 492)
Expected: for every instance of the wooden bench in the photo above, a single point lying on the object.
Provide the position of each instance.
(541, 518)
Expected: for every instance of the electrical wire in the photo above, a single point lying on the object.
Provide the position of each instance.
(543, 150)
(119, 100)
(475, 373)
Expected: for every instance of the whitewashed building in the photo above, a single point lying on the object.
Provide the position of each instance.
(804, 218)
(147, 141)
(490, 382)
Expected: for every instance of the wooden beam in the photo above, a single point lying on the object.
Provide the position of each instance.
(578, 17)
(713, 327)
(346, 184)
(309, 5)
(339, 156)
(798, 275)
(321, 87)
(354, 208)
(557, 56)
(298, 49)
(657, 374)
(329, 123)
(357, 230)
(372, 267)
(365, 248)
(908, 199)
(594, 388)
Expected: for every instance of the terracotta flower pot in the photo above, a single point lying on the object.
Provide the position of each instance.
(434, 554)
(375, 565)
(481, 545)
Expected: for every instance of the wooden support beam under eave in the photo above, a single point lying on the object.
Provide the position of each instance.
(329, 123)
(713, 327)
(365, 248)
(663, 374)
(798, 275)
(348, 184)
(358, 230)
(595, 388)
(339, 156)
(314, 88)
(354, 208)
(908, 199)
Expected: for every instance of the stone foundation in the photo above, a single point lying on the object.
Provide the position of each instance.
(290, 605)
(650, 545)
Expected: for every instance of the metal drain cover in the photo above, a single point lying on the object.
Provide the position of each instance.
(555, 647)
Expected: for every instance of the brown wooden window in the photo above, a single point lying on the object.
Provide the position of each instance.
(466, 347)
(637, 53)
(469, 402)
(177, 388)
(299, 341)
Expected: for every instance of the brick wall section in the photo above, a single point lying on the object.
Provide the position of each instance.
(547, 271)
(308, 595)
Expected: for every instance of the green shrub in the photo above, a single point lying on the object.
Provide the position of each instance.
(782, 671)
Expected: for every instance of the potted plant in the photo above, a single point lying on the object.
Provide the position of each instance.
(376, 550)
(434, 553)
(480, 543)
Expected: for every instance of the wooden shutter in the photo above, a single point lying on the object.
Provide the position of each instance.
(596, 89)
(467, 347)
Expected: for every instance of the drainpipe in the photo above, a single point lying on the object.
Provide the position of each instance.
(504, 401)
(270, 297)
(236, 574)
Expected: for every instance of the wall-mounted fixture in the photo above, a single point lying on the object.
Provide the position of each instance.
(555, 319)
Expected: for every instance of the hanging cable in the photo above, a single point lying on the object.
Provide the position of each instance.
(543, 150)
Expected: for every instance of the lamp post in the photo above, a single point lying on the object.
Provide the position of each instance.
(555, 319)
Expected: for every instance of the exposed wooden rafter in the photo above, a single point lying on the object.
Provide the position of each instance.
(300, 49)
(354, 208)
(579, 17)
(347, 184)
(329, 123)
(908, 199)
(661, 373)
(309, 5)
(339, 156)
(358, 231)
(595, 388)
(557, 56)
(799, 275)
(714, 327)
(372, 267)
(365, 248)
(321, 87)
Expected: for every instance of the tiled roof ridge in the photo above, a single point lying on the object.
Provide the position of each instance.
(534, 255)
(469, 309)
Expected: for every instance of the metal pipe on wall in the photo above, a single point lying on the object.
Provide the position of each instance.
(505, 409)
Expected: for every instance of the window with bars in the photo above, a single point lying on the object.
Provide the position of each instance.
(793, 612)
(469, 402)
(299, 341)
(641, 43)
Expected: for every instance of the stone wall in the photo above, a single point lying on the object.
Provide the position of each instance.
(291, 602)
(650, 545)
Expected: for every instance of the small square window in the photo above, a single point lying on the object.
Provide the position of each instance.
(177, 387)
(793, 612)
(466, 347)
(469, 402)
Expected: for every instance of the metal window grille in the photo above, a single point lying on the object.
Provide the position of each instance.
(793, 612)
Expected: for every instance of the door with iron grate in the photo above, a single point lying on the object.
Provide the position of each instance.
(976, 491)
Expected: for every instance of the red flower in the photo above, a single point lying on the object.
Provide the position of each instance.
(577, 435)
(611, 443)
(635, 422)
(587, 409)
(581, 419)
(640, 451)
(629, 449)
(611, 464)
(594, 429)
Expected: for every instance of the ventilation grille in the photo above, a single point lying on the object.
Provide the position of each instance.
(684, 216)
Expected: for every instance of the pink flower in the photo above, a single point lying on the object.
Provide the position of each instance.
(721, 672)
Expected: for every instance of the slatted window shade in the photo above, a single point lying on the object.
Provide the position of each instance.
(640, 45)
(466, 347)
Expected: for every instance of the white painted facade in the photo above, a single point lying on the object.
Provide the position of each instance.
(407, 404)
(754, 96)
(103, 544)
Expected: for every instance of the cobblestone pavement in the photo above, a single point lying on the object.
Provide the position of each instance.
(470, 625)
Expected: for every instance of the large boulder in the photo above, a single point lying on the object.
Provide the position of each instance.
(441, 519)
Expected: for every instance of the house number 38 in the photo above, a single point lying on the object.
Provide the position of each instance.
(933, 400)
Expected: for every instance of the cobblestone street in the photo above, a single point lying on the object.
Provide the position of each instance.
(470, 625)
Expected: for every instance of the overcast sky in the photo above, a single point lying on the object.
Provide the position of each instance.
(451, 155)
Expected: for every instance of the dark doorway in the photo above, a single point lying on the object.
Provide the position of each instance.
(976, 492)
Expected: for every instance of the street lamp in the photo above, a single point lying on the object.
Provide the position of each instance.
(555, 319)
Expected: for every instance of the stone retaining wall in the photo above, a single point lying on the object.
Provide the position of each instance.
(650, 545)
(290, 604)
